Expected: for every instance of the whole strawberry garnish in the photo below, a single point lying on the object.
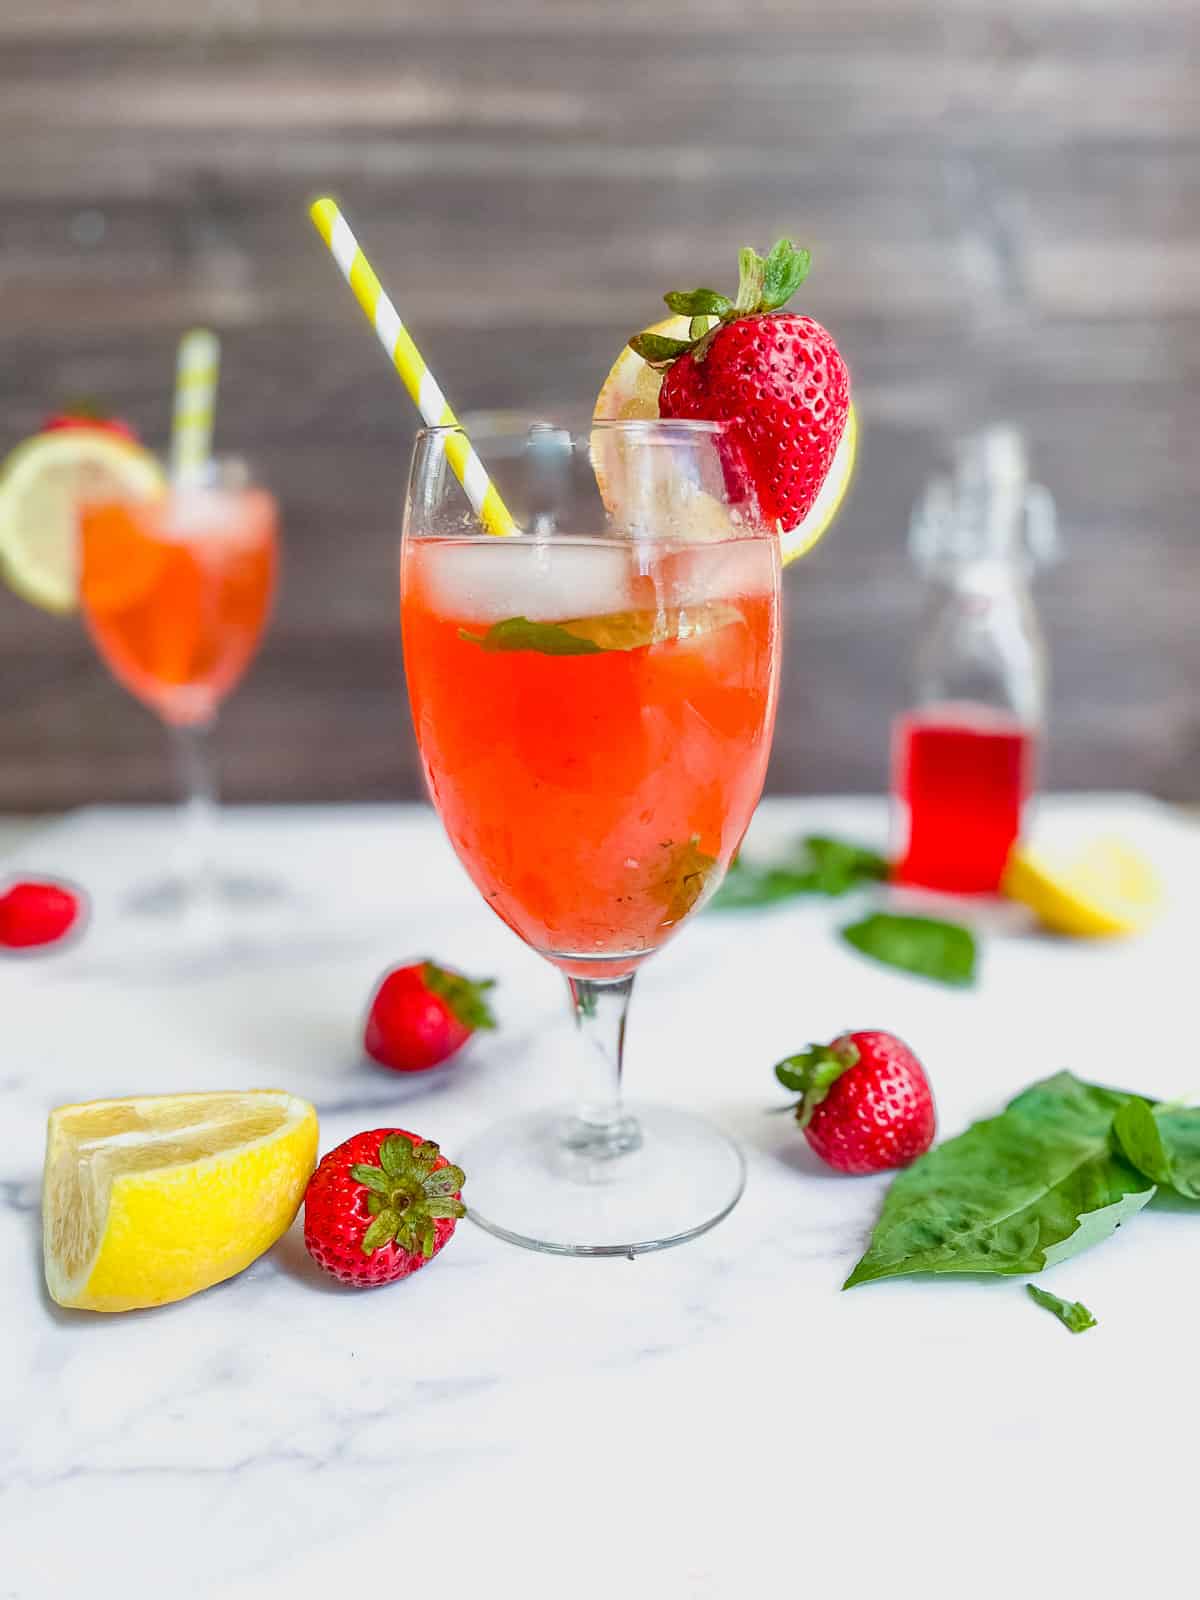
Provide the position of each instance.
(866, 1102)
(380, 1206)
(422, 1013)
(38, 912)
(86, 416)
(774, 376)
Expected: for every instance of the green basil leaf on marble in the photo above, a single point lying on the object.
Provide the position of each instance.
(1013, 1194)
(815, 865)
(838, 866)
(1073, 1314)
(1163, 1142)
(943, 951)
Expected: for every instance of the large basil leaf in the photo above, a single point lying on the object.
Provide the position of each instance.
(1164, 1143)
(1013, 1194)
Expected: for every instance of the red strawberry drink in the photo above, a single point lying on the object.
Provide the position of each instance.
(595, 798)
(962, 775)
(964, 752)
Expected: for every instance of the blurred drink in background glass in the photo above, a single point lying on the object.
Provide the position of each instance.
(176, 592)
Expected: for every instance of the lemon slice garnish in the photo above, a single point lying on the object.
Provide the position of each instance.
(630, 394)
(41, 485)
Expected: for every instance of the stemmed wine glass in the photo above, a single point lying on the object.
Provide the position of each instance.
(594, 700)
(176, 591)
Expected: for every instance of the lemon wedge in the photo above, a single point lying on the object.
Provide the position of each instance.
(148, 1200)
(1105, 891)
(41, 485)
(630, 394)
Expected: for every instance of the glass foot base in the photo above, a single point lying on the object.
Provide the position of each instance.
(225, 892)
(549, 1182)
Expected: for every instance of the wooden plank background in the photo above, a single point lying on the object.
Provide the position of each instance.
(1003, 200)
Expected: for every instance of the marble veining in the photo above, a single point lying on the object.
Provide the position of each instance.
(690, 1424)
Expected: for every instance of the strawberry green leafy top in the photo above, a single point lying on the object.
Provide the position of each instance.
(406, 1195)
(765, 283)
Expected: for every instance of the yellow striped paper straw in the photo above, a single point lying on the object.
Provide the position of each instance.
(422, 386)
(196, 368)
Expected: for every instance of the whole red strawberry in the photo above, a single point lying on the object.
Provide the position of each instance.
(775, 377)
(38, 912)
(422, 1013)
(85, 417)
(866, 1103)
(380, 1206)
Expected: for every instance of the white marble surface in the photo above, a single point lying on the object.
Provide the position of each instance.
(689, 1424)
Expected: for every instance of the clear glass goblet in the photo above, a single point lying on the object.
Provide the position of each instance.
(594, 700)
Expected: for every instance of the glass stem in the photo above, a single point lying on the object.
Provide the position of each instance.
(601, 1127)
(192, 751)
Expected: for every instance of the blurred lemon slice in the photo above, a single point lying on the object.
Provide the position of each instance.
(1105, 891)
(147, 1200)
(801, 539)
(41, 485)
(630, 393)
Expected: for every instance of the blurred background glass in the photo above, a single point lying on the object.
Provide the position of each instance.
(1002, 204)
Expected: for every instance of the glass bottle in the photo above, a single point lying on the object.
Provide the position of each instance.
(965, 751)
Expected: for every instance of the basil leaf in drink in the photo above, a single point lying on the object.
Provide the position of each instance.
(816, 864)
(943, 951)
(617, 630)
(518, 633)
(1163, 1142)
(1013, 1194)
(684, 878)
(1073, 1314)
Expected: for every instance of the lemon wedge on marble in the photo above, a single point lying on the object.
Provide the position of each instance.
(148, 1200)
(1104, 891)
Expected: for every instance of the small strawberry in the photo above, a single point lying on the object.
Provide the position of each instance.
(38, 912)
(85, 416)
(775, 377)
(866, 1101)
(421, 1014)
(380, 1206)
